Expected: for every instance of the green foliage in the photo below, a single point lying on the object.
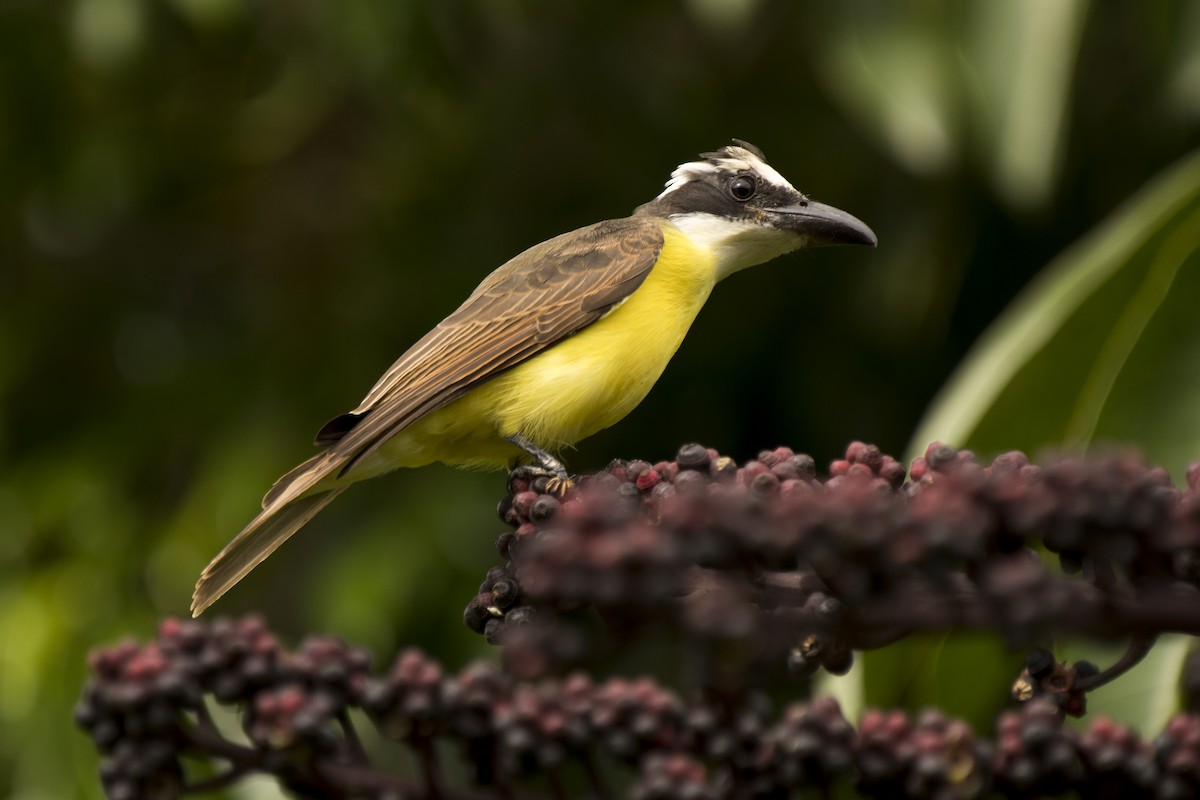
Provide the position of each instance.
(1100, 349)
(220, 221)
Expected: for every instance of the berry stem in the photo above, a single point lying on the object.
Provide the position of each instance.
(427, 756)
(599, 792)
(1138, 649)
(205, 737)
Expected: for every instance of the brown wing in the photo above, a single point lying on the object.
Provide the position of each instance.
(543, 295)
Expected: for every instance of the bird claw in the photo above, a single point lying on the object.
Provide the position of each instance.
(559, 485)
(558, 482)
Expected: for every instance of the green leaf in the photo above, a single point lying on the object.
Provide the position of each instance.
(964, 675)
(1104, 346)
(939, 85)
(895, 75)
(1022, 54)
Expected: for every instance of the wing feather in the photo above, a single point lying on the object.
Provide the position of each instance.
(540, 297)
(545, 294)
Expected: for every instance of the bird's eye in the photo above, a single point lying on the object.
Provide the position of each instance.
(742, 188)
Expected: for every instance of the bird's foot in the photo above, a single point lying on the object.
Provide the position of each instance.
(558, 481)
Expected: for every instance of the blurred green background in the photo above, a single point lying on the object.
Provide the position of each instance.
(220, 221)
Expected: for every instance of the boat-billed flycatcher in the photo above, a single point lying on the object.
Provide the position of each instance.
(559, 343)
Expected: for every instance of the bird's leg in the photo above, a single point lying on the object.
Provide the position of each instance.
(545, 466)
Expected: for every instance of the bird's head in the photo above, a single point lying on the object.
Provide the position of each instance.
(735, 204)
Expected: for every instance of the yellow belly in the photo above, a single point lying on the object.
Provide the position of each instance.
(581, 385)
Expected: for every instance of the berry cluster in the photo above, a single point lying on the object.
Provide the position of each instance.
(1035, 755)
(762, 569)
(809, 569)
(147, 707)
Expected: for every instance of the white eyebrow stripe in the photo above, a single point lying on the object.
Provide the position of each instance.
(738, 159)
(772, 175)
(685, 173)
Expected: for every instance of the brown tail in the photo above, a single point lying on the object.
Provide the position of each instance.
(271, 528)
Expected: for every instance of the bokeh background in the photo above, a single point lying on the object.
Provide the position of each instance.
(221, 220)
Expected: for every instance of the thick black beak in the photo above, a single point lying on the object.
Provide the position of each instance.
(822, 224)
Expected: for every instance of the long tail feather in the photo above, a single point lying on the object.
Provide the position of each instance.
(271, 528)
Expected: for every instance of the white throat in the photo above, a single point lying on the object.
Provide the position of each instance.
(736, 244)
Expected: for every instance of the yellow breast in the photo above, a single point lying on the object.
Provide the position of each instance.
(594, 378)
(581, 385)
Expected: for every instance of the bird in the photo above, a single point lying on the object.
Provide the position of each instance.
(556, 344)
